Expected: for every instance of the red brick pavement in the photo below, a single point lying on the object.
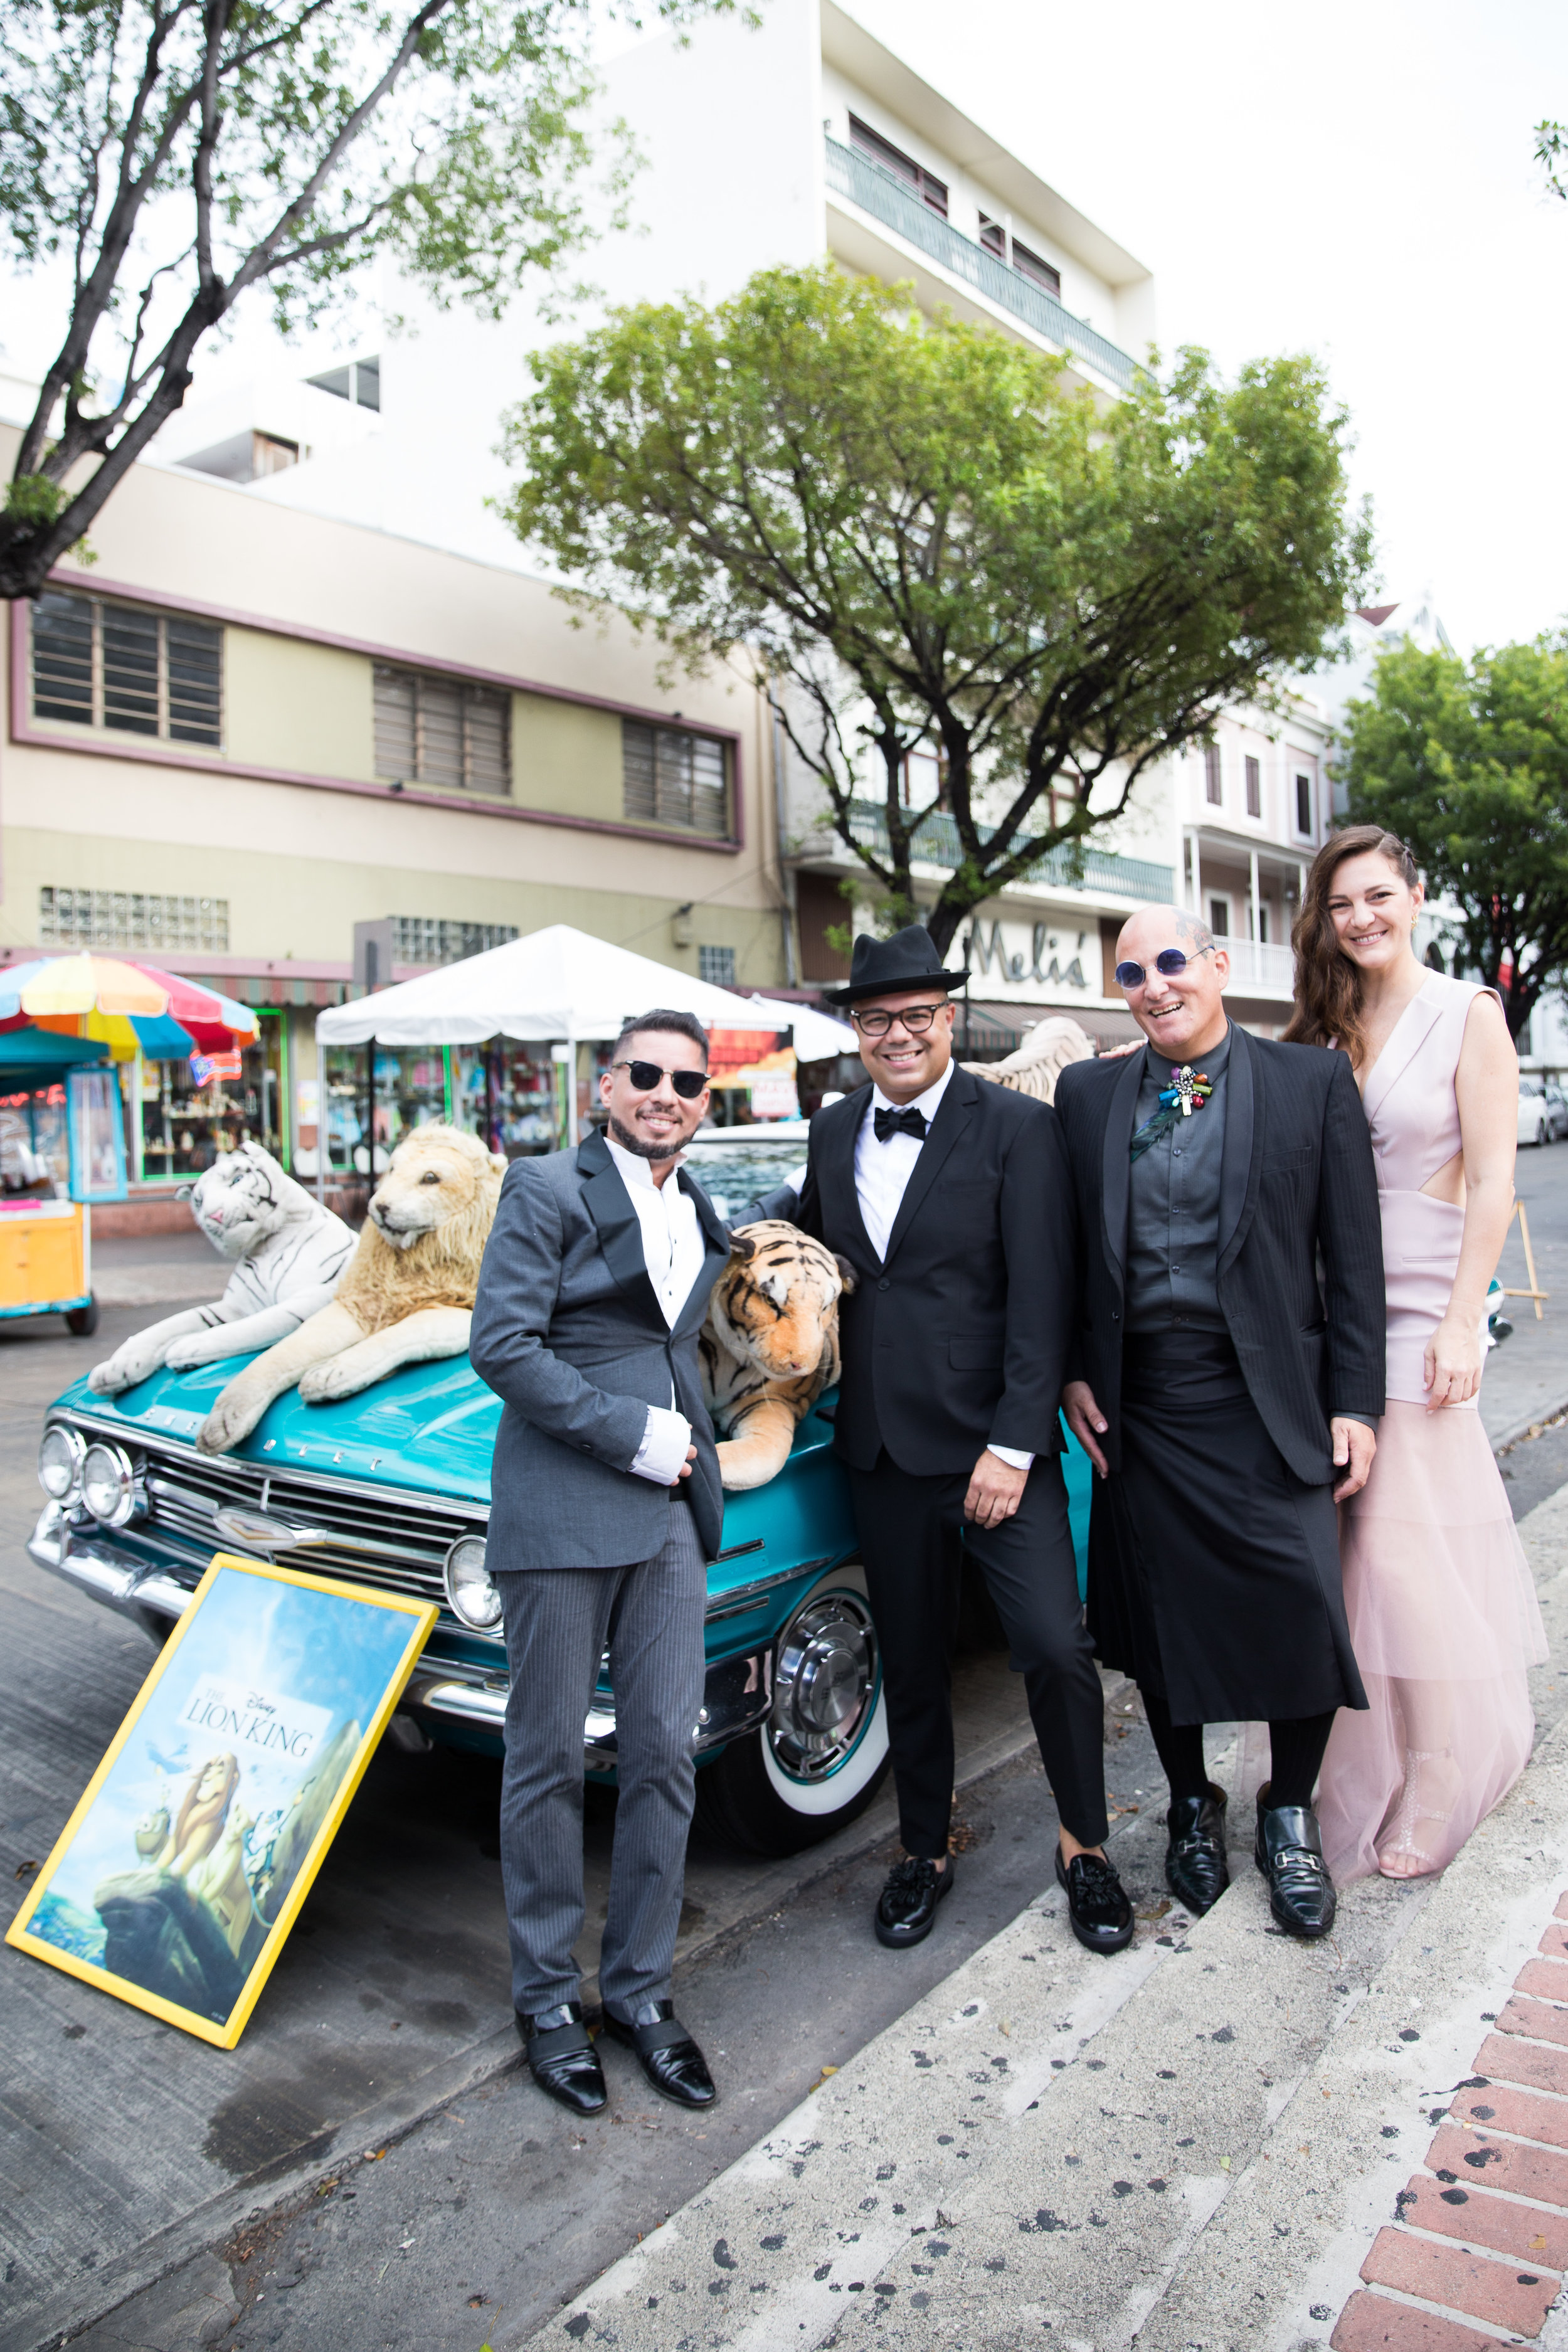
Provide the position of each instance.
(1482, 2233)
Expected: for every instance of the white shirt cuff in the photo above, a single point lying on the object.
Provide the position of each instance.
(661, 1456)
(1010, 1455)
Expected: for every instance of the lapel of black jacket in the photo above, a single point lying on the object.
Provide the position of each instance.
(833, 1142)
(952, 1116)
(715, 1253)
(620, 1236)
(1121, 1112)
(1243, 1147)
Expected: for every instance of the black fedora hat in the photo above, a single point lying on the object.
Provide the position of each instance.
(881, 967)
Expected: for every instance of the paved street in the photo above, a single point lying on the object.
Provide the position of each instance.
(136, 2160)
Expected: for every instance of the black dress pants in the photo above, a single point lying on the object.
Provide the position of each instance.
(914, 1537)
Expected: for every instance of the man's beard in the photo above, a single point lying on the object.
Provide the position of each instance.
(644, 1150)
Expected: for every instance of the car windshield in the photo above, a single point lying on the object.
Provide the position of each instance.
(1529, 1085)
(735, 1164)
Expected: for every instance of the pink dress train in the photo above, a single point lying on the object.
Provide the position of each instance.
(1442, 1607)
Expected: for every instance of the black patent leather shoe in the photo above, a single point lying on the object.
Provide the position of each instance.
(1097, 1907)
(562, 2058)
(907, 1905)
(1289, 1854)
(1196, 1871)
(665, 2052)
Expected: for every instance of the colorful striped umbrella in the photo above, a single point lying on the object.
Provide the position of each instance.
(132, 1008)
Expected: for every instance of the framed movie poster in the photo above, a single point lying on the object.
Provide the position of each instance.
(177, 1878)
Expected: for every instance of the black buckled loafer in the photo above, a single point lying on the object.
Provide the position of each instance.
(561, 2057)
(1196, 1871)
(1289, 1854)
(907, 1905)
(1097, 1907)
(666, 2052)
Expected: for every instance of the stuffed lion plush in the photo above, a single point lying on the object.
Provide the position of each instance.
(406, 1296)
(770, 1346)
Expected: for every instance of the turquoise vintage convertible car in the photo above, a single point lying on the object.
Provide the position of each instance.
(391, 1490)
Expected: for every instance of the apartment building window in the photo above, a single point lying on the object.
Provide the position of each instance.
(920, 785)
(167, 925)
(1029, 263)
(716, 966)
(130, 671)
(420, 939)
(1036, 269)
(1304, 805)
(444, 731)
(1219, 918)
(1213, 788)
(671, 776)
(926, 184)
(360, 382)
(1254, 786)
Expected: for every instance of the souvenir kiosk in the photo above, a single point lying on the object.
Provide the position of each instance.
(62, 1147)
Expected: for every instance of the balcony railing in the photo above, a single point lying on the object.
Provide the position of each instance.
(877, 192)
(1260, 969)
(1070, 866)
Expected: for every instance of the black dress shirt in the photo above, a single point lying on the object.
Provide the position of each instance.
(1173, 1208)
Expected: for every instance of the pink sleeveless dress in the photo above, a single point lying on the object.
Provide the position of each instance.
(1442, 1607)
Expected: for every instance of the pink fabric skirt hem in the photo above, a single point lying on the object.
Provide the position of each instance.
(1444, 1624)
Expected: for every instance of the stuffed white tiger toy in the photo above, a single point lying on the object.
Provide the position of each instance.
(769, 1345)
(290, 1252)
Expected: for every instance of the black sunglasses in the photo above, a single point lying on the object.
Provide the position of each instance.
(1169, 961)
(646, 1076)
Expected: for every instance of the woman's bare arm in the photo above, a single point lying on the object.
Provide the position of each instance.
(1486, 1085)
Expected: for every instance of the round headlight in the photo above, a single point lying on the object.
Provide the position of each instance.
(59, 1461)
(473, 1597)
(109, 1487)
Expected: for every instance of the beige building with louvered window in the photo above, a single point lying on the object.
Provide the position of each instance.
(245, 731)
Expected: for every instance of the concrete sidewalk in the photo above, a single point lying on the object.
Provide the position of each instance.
(1193, 2145)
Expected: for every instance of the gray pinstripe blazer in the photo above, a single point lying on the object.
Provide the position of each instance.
(569, 1333)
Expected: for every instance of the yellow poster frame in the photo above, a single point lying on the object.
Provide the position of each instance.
(226, 2036)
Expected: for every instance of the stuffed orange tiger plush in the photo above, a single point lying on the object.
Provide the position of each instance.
(769, 1345)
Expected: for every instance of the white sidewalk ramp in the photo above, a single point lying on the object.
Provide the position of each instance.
(1189, 2144)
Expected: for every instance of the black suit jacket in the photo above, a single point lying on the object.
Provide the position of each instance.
(1298, 1189)
(959, 1336)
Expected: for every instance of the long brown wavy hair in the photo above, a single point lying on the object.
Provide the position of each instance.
(1327, 985)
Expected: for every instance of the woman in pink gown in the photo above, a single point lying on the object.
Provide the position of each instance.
(1442, 1608)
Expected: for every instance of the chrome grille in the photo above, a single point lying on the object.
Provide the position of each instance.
(376, 1536)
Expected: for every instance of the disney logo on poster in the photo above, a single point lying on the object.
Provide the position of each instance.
(250, 1719)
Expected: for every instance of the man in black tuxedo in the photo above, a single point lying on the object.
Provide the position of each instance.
(1226, 1397)
(948, 1197)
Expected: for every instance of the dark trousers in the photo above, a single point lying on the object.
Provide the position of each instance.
(913, 1538)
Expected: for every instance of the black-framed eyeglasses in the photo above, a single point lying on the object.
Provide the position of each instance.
(646, 1076)
(1170, 961)
(916, 1018)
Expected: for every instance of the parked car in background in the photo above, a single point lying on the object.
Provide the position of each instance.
(391, 1490)
(1542, 1109)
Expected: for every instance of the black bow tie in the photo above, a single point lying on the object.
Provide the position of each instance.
(899, 1122)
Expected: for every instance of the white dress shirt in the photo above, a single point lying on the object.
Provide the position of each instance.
(673, 1248)
(882, 1171)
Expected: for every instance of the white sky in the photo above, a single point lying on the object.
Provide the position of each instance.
(1351, 180)
(1354, 179)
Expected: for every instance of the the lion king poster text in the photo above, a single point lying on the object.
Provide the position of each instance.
(174, 1879)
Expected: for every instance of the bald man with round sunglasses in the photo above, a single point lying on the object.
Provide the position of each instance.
(1226, 1378)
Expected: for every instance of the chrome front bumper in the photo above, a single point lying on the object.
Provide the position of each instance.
(737, 1695)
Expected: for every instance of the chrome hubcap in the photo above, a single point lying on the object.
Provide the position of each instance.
(824, 1678)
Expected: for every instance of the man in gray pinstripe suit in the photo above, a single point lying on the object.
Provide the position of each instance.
(608, 1506)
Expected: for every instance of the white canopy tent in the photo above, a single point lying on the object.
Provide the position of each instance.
(557, 985)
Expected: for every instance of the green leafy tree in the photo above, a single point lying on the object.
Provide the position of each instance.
(178, 155)
(1551, 155)
(1469, 762)
(918, 533)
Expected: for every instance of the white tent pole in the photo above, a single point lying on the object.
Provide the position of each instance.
(321, 1122)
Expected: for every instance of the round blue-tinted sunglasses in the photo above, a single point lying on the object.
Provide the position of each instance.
(1170, 961)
